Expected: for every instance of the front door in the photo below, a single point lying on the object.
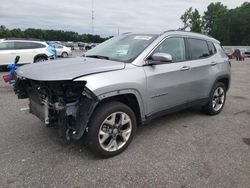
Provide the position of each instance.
(167, 83)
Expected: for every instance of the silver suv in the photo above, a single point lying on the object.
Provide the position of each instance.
(124, 82)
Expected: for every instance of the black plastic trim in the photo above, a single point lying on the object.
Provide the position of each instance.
(199, 102)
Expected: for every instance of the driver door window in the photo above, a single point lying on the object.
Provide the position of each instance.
(175, 47)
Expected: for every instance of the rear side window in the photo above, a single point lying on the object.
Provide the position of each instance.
(198, 48)
(212, 49)
(28, 45)
(175, 47)
(58, 46)
(7, 46)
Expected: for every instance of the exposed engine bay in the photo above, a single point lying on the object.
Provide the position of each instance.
(66, 105)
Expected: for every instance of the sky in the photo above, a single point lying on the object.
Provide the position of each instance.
(109, 15)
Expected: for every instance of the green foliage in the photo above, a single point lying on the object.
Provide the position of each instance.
(192, 20)
(230, 26)
(51, 35)
(212, 17)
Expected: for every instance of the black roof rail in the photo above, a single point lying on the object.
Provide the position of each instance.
(180, 29)
(126, 33)
(14, 38)
(170, 30)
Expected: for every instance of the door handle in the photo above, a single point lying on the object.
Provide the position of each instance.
(13, 53)
(213, 63)
(185, 68)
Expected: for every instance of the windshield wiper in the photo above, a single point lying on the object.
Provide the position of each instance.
(98, 56)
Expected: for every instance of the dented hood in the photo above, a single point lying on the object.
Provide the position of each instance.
(67, 69)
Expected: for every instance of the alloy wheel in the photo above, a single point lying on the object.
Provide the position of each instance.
(115, 131)
(218, 98)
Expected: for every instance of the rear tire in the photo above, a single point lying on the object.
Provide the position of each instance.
(217, 99)
(40, 59)
(111, 129)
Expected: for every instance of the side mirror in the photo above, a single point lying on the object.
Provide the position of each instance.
(159, 58)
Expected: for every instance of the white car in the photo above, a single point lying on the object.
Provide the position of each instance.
(63, 51)
(29, 51)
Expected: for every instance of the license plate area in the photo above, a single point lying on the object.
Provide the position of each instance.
(39, 110)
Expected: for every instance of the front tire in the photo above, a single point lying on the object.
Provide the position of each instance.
(216, 100)
(64, 54)
(111, 129)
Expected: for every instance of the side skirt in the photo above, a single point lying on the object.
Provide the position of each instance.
(171, 110)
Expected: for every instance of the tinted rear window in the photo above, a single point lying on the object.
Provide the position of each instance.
(28, 45)
(198, 48)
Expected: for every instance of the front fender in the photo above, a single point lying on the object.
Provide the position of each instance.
(124, 92)
(131, 80)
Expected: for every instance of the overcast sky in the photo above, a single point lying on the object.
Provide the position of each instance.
(75, 15)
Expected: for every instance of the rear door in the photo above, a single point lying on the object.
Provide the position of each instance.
(199, 76)
(167, 83)
(7, 53)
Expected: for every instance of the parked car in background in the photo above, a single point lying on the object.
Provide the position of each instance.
(238, 54)
(247, 54)
(30, 51)
(126, 81)
(242, 55)
(89, 46)
(63, 51)
(81, 45)
(70, 45)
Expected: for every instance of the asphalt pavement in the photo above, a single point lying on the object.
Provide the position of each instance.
(187, 149)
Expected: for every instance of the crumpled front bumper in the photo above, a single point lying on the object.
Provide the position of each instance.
(65, 105)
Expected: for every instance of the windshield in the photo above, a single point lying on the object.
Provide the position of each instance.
(122, 48)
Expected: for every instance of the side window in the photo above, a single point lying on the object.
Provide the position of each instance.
(212, 49)
(175, 47)
(28, 45)
(198, 48)
(7, 46)
(37, 45)
(22, 45)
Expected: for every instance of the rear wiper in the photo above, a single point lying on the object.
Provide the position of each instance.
(98, 56)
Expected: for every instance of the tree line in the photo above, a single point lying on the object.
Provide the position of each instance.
(230, 26)
(49, 35)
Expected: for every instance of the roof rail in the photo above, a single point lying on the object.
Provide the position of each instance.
(126, 33)
(180, 29)
(169, 30)
(14, 38)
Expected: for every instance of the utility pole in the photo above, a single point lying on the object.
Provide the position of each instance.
(92, 17)
(118, 31)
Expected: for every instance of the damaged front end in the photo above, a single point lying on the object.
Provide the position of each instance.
(66, 105)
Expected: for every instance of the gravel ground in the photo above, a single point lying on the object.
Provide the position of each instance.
(186, 149)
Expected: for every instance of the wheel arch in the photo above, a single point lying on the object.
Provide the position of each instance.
(130, 98)
(39, 55)
(225, 79)
(64, 52)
